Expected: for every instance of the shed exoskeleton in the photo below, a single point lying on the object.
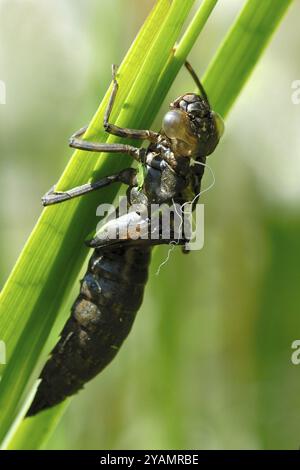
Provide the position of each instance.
(112, 289)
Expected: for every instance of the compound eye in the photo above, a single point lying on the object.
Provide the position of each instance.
(219, 124)
(176, 125)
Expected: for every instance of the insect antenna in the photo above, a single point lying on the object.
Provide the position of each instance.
(197, 81)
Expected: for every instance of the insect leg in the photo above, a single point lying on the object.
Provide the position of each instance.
(80, 131)
(77, 143)
(134, 152)
(120, 131)
(197, 172)
(126, 176)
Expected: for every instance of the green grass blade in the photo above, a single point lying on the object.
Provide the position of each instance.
(184, 47)
(53, 256)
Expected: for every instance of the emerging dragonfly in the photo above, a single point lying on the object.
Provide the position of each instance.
(112, 289)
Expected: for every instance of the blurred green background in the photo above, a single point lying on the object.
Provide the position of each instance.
(208, 363)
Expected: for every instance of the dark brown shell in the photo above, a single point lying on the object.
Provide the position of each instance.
(111, 294)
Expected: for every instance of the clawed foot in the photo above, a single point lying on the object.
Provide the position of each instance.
(52, 196)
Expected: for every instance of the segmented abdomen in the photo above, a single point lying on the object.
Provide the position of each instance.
(101, 318)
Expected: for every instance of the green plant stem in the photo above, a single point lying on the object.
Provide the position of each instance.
(192, 32)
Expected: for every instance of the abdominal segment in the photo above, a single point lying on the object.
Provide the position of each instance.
(101, 317)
